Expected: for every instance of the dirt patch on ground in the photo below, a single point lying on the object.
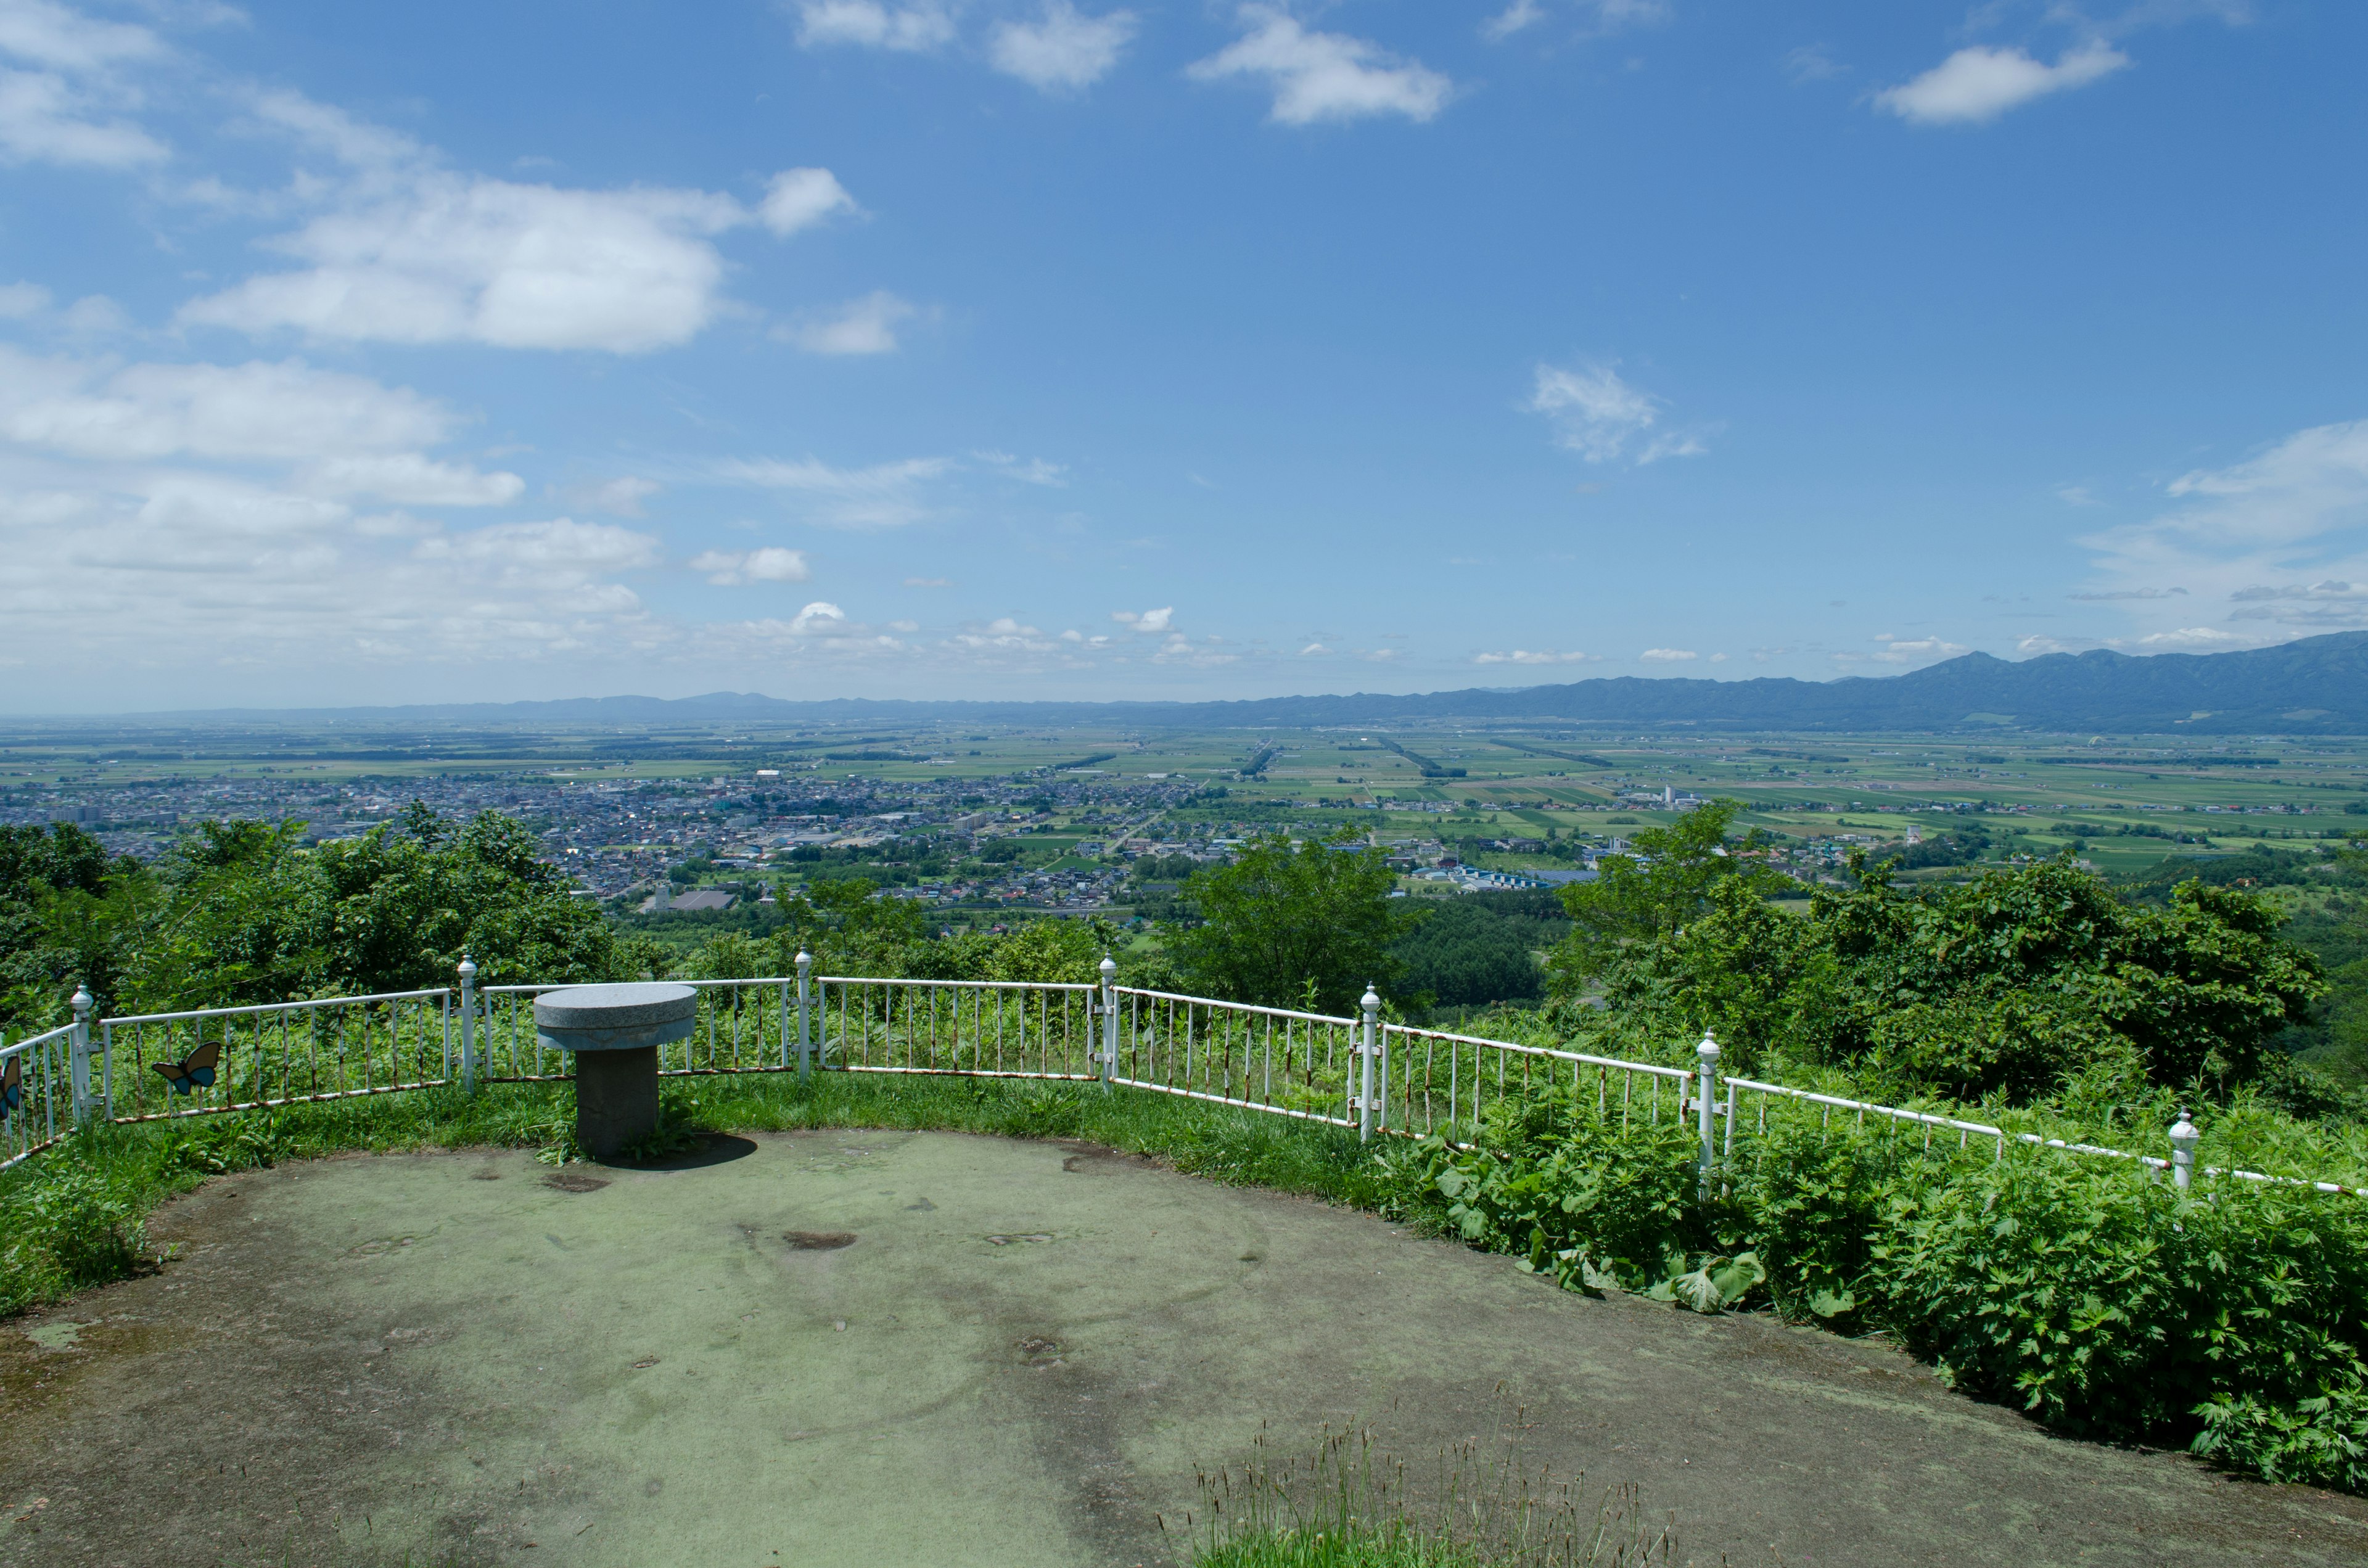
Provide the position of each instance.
(1025, 1359)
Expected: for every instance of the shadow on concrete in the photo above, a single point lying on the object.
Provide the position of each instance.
(718, 1148)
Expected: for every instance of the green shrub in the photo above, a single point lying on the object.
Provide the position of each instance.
(2106, 1304)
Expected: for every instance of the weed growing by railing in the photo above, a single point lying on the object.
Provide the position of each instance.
(2230, 1319)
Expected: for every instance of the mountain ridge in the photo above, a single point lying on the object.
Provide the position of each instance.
(2312, 686)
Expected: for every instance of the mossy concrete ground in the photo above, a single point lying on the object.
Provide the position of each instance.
(896, 1350)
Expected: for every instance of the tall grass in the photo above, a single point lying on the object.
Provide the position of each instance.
(1350, 1503)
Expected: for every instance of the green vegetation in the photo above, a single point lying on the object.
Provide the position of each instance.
(1478, 949)
(243, 911)
(2104, 1304)
(1293, 925)
(1349, 1504)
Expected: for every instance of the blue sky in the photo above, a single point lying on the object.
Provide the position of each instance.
(969, 349)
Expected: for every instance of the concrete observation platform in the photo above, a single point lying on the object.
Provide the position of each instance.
(874, 1350)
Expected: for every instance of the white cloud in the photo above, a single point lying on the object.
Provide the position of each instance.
(872, 25)
(1035, 470)
(1668, 656)
(410, 253)
(1977, 84)
(928, 582)
(1914, 649)
(867, 325)
(1597, 415)
(884, 495)
(19, 300)
(52, 35)
(1604, 17)
(408, 479)
(1812, 63)
(560, 550)
(619, 498)
(769, 564)
(1513, 18)
(44, 119)
(2269, 536)
(799, 198)
(820, 616)
(1063, 49)
(1544, 656)
(1154, 620)
(2191, 637)
(1321, 76)
(1312, 649)
(256, 410)
(2038, 642)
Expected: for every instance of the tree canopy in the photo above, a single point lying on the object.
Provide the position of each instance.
(2008, 984)
(1292, 925)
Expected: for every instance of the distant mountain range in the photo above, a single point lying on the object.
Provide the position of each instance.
(2316, 685)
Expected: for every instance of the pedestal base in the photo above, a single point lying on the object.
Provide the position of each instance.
(616, 1100)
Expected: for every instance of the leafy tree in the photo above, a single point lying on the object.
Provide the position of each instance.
(63, 909)
(1305, 925)
(2008, 984)
(1650, 894)
(1467, 951)
(402, 906)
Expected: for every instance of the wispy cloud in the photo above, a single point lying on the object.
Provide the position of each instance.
(870, 24)
(2276, 537)
(1601, 418)
(884, 495)
(1977, 85)
(1321, 76)
(1542, 656)
(1063, 49)
(867, 325)
(769, 564)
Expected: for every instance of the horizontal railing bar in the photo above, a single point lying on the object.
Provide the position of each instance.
(1893, 1111)
(961, 984)
(1245, 1105)
(276, 1007)
(62, 1032)
(291, 1099)
(1233, 1006)
(1559, 1054)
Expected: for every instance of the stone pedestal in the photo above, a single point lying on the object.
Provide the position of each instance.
(616, 1100)
(615, 1032)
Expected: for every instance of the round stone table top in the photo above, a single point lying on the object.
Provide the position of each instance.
(615, 1017)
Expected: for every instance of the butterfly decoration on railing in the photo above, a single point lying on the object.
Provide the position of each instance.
(12, 1086)
(194, 1070)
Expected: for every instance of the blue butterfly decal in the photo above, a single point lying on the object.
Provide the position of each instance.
(195, 1070)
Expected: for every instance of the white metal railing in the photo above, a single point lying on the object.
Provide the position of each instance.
(2180, 1164)
(1307, 1065)
(213, 1058)
(1448, 1090)
(33, 1078)
(1344, 1071)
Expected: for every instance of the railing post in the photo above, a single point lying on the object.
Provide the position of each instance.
(79, 1054)
(468, 1024)
(1372, 1004)
(2184, 1140)
(1110, 1020)
(805, 1016)
(1706, 1054)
